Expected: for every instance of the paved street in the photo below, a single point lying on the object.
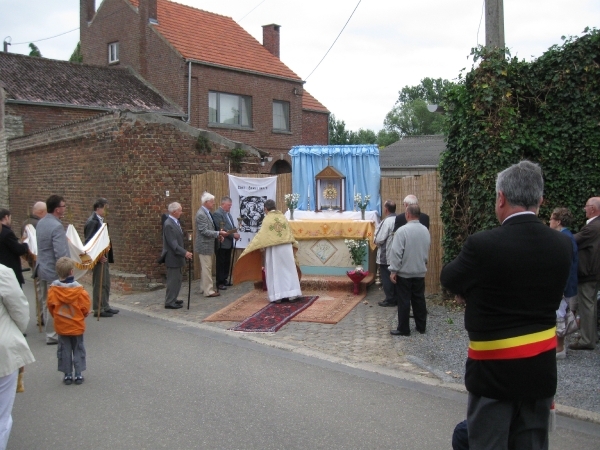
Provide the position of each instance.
(158, 378)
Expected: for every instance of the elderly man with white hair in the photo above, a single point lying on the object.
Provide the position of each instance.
(174, 255)
(401, 218)
(206, 233)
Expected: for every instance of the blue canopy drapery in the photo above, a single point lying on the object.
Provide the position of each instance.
(359, 163)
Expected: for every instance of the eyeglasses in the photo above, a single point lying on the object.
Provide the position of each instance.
(62, 206)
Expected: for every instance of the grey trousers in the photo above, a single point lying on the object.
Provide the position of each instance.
(100, 270)
(174, 279)
(586, 306)
(71, 353)
(51, 335)
(508, 424)
(386, 283)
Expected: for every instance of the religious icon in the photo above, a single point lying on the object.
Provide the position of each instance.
(330, 193)
(252, 210)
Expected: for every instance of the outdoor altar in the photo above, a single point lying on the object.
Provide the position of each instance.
(324, 207)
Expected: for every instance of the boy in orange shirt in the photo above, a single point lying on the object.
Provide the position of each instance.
(69, 304)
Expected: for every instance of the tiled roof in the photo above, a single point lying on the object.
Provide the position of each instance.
(413, 151)
(311, 103)
(42, 80)
(207, 37)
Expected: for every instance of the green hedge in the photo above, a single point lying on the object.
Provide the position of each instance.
(505, 110)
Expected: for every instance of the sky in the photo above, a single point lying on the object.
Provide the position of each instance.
(387, 44)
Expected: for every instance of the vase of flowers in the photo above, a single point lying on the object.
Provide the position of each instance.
(291, 201)
(362, 203)
(358, 251)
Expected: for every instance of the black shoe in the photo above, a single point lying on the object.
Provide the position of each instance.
(421, 331)
(112, 311)
(68, 379)
(179, 302)
(173, 306)
(228, 284)
(386, 303)
(106, 314)
(222, 287)
(398, 333)
(78, 378)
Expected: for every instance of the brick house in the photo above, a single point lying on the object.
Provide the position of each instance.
(210, 67)
(87, 131)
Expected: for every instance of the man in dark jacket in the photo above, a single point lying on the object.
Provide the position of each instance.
(512, 280)
(11, 249)
(401, 218)
(588, 276)
(100, 272)
(223, 221)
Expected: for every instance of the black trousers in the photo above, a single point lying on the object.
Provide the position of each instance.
(411, 291)
(223, 263)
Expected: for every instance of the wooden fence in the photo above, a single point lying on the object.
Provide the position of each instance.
(425, 187)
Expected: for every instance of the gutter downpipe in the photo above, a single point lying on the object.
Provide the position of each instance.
(189, 99)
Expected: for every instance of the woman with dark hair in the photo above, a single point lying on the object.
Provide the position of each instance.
(560, 220)
(11, 249)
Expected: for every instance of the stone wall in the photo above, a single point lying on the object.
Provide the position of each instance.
(132, 160)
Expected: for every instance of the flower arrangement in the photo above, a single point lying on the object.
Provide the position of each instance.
(291, 201)
(357, 249)
(358, 199)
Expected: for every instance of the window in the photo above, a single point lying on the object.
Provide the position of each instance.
(113, 52)
(230, 109)
(281, 115)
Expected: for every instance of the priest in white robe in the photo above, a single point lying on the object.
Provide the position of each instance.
(282, 272)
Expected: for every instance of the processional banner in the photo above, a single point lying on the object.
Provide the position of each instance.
(85, 256)
(248, 196)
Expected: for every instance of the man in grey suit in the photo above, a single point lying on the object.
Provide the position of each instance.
(224, 221)
(52, 245)
(174, 255)
(206, 234)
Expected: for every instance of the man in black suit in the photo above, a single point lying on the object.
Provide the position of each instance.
(100, 272)
(401, 218)
(173, 255)
(512, 279)
(223, 221)
(11, 249)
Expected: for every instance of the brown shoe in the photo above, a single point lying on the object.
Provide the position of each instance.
(578, 346)
(214, 294)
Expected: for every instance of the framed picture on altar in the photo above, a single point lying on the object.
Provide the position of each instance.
(330, 190)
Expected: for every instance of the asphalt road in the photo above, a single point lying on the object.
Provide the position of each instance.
(153, 384)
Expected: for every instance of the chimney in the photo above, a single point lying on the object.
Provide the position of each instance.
(271, 38)
(88, 7)
(152, 14)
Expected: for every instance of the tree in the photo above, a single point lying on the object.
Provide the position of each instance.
(410, 116)
(77, 56)
(338, 135)
(34, 50)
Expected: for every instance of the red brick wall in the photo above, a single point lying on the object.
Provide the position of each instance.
(129, 159)
(314, 128)
(36, 118)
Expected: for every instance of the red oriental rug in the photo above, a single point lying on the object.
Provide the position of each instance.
(273, 316)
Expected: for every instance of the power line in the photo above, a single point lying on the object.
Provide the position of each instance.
(334, 41)
(480, 19)
(248, 13)
(45, 39)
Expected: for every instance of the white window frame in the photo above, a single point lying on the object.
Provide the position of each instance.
(277, 118)
(113, 52)
(243, 118)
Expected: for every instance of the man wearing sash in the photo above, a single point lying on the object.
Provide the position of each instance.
(100, 272)
(512, 280)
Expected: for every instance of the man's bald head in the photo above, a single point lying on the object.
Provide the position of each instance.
(39, 209)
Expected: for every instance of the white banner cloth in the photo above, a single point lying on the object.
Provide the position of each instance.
(85, 256)
(248, 196)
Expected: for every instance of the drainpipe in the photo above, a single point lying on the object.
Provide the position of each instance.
(189, 100)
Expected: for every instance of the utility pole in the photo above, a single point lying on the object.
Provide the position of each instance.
(494, 23)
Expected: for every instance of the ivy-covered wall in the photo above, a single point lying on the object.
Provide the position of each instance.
(506, 110)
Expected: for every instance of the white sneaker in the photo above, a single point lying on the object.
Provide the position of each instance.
(563, 354)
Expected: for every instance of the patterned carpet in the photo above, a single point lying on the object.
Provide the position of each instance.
(273, 316)
(331, 306)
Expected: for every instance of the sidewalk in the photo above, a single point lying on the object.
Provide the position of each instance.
(361, 340)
